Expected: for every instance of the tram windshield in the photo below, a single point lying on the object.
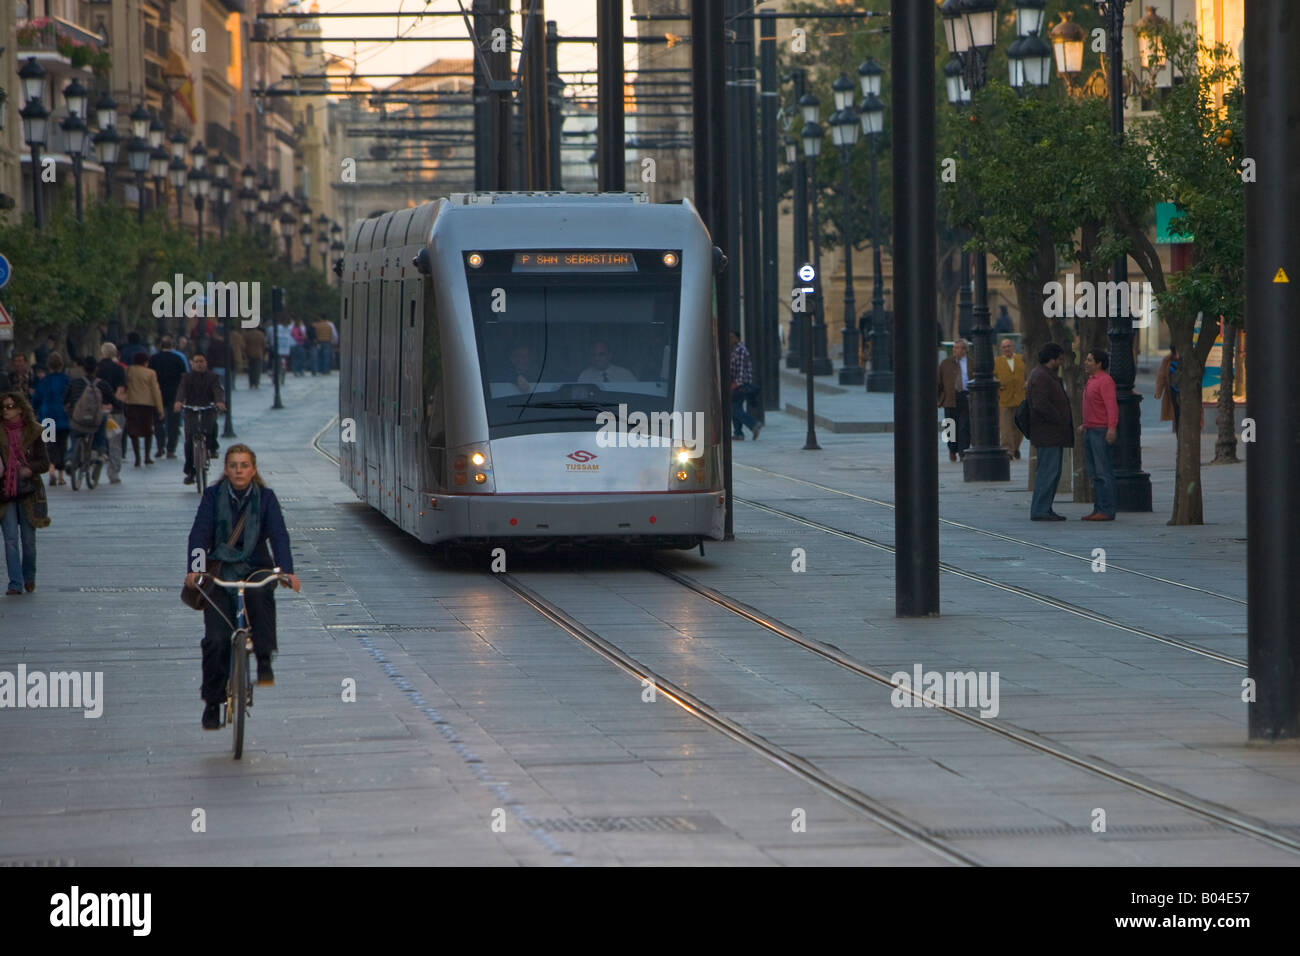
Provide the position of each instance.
(557, 350)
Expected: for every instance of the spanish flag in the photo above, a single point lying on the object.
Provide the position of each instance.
(177, 69)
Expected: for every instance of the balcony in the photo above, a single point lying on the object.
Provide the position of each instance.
(222, 140)
(62, 46)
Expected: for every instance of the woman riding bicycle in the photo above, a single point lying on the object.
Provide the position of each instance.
(240, 493)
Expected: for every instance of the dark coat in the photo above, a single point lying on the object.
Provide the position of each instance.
(169, 367)
(1051, 423)
(273, 531)
(949, 381)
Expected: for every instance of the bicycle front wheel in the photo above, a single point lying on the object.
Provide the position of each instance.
(77, 465)
(200, 464)
(238, 689)
(93, 468)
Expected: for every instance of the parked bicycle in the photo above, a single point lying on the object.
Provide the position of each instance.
(83, 464)
(239, 687)
(197, 426)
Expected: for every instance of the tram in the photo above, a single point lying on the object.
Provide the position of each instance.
(534, 369)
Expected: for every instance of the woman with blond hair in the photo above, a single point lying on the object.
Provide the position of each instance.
(23, 508)
(239, 526)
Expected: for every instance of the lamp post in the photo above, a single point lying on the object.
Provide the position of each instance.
(794, 159)
(36, 120)
(844, 134)
(872, 116)
(221, 190)
(287, 223)
(76, 133)
(248, 195)
(304, 230)
(1132, 484)
(812, 148)
(337, 247)
(199, 184)
(177, 173)
(970, 27)
(137, 155)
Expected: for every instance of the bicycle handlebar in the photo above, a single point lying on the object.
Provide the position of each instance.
(275, 575)
(198, 408)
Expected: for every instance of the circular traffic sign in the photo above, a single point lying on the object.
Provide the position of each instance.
(806, 272)
(5, 271)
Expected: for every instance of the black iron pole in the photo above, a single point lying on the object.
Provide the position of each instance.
(821, 361)
(277, 308)
(36, 185)
(1273, 255)
(799, 222)
(735, 176)
(76, 176)
(770, 374)
(228, 429)
(554, 104)
(198, 208)
(536, 122)
(1132, 484)
(850, 368)
(484, 158)
(985, 459)
(916, 461)
(881, 376)
(810, 395)
(139, 196)
(964, 305)
(750, 247)
(708, 90)
(502, 143)
(609, 91)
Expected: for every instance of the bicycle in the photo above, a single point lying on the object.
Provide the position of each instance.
(84, 463)
(239, 688)
(198, 438)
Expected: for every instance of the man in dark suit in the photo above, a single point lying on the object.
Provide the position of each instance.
(169, 367)
(954, 382)
(1051, 428)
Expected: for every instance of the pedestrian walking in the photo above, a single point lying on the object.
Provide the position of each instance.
(743, 389)
(1003, 323)
(238, 526)
(954, 387)
(19, 377)
(238, 353)
(1011, 372)
(1166, 390)
(323, 350)
(48, 403)
(113, 372)
(254, 354)
(133, 347)
(144, 406)
(1100, 419)
(298, 348)
(1051, 428)
(169, 366)
(23, 506)
(283, 344)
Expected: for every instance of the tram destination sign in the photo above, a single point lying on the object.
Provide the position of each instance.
(579, 260)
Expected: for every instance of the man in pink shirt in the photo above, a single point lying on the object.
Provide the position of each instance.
(1100, 416)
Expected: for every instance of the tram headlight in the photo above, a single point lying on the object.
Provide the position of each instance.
(670, 259)
(471, 468)
(475, 260)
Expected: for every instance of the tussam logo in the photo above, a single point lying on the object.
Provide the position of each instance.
(34, 689)
(216, 300)
(1089, 300)
(946, 689)
(582, 457)
(656, 430)
(74, 908)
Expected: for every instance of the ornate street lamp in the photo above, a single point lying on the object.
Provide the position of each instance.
(221, 190)
(872, 116)
(812, 148)
(844, 134)
(158, 163)
(970, 28)
(199, 184)
(36, 120)
(137, 155)
(177, 172)
(323, 237)
(31, 76)
(76, 133)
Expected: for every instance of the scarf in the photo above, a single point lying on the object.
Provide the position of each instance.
(17, 459)
(237, 559)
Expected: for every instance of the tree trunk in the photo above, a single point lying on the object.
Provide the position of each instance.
(1225, 447)
(1188, 503)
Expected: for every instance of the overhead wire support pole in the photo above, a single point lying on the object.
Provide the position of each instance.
(916, 455)
(769, 100)
(610, 157)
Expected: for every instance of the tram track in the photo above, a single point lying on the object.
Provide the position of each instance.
(885, 816)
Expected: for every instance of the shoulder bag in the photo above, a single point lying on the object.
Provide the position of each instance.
(196, 596)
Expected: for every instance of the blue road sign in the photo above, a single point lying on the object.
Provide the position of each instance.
(5, 271)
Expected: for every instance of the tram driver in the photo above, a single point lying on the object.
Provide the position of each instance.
(601, 368)
(522, 371)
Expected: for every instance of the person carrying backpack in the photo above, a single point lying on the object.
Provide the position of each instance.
(86, 401)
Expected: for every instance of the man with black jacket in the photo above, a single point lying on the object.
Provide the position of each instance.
(199, 386)
(1051, 428)
(170, 368)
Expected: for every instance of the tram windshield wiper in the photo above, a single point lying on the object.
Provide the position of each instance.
(585, 406)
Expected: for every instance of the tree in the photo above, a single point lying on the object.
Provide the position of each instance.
(1195, 153)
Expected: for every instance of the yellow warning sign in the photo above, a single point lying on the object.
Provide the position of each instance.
(1281, 276)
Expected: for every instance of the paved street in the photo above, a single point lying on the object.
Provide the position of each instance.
(473, 710)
